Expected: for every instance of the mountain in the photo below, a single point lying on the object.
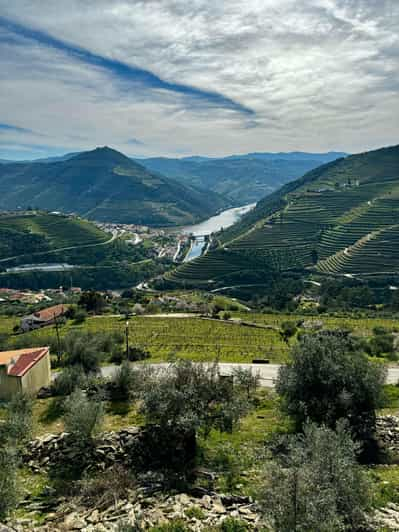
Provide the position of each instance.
(241, 178)
(105, 185)
(293, 156)
(339, 219)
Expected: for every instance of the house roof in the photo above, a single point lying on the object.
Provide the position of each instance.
(50, 313)
(20, 361)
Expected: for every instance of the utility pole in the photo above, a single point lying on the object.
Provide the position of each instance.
(127, 340)
(58, 340)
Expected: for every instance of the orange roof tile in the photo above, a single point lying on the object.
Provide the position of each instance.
(50, 313)
(21, 360)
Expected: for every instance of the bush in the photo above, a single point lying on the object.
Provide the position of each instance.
(231, 524)
(187, 398)
(14, 432)
(68, 380)
(175, 525)
(246, 381)
(92, 301)
(318, 485)
(329, 379)
(107, 487)
(128, 382)
(17, 426)
(82, 418)
(288, 330)
(136, 354)
(80, 316)
(8, 481)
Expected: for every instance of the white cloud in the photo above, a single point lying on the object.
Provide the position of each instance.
(319, 74)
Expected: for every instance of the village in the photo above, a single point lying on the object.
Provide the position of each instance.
(171, 245)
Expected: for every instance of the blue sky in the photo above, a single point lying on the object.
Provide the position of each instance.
(170, 77)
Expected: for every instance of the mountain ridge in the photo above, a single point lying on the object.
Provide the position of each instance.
(320, 222)
(105, 185)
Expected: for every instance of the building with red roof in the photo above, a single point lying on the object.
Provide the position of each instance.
(43, 317)
(24, 370)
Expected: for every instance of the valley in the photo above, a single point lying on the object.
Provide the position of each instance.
(336, 220)
(199, 266)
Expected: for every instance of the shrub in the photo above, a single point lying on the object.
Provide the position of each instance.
(136, 353)
(80, 316)
(107, 487)
(231, 524)
(318, 485)
(329, 379)
(14, 432)
(288, 330)
(187, 398)
(68, 380)
(175, 525)
(195, 512)
(128, 382)
(82, 418)
(246, 381)
(8, 481)
(17, 426)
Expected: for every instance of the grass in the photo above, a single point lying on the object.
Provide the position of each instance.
(386, 485)
(239, 457)
(200, 339)
(7, 324)
(48, 416)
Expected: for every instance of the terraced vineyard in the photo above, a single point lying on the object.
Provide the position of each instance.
(342, 218)
(199, 339)
(193, 338)
(51, 231)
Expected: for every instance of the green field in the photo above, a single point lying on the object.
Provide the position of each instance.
(201, 339)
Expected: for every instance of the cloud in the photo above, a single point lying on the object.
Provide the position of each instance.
(134, 142)
(14, 129)
(202, 76)
(119, 69)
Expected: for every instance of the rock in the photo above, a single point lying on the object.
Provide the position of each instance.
(74, 522)
(218, 508)
(94, 517)
(183, 499)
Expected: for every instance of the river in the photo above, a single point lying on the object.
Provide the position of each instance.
(212, 225)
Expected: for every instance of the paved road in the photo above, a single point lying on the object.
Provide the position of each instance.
(267, 372)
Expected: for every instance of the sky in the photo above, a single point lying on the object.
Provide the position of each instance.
(178, 77)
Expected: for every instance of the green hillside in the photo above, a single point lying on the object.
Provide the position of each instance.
(341, 218)
(105, 185)
(242, 178)
(26, 234)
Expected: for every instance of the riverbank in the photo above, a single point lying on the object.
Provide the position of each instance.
(203, 230)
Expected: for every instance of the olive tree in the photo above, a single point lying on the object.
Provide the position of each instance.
(318, 485)
(329, 379)
(82, 417)
(186, 399)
